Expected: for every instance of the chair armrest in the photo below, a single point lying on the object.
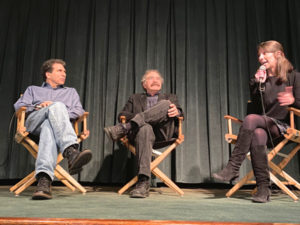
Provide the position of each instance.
(21, 129)
(180, 138)
(234, 119)
(85, 132)
(229, 137)
(123, 119)
(294, 110)
(20, 114)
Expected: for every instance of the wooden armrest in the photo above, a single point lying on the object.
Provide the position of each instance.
(234, 119)
(85, 132)
(20, 111)
(294, 110)
(82, 117)
(21, 129)
(123, 119)
(180, 138)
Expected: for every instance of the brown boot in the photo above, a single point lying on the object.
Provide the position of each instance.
(231, 171)
(43, 189)
(259, 161)
(77, 159)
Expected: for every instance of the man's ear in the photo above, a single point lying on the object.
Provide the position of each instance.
(47, 74)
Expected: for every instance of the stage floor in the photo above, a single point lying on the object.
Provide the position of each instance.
(196, 205)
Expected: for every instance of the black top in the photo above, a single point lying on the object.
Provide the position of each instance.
(271, 88)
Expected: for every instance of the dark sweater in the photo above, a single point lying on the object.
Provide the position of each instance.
(271, 88)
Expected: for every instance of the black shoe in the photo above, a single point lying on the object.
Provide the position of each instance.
(43, 190)
(141, 190)
(116, 132)
(262, 195)
(77, 159)
(227, 174)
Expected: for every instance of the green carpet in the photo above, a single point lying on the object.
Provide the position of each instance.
(163, 204)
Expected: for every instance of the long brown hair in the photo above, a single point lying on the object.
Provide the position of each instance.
(283, 64)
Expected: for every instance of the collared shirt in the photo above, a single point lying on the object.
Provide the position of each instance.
(151, 100)
(35, 95)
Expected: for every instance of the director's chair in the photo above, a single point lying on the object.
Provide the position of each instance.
(158, 158)
(292, 135)
(24, 138)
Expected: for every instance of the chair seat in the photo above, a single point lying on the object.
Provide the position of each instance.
(163, 144)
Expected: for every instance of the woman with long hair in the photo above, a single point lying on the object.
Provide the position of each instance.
(274, 87)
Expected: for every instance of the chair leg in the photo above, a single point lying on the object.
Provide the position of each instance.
(238, 185)
(284, 175)
(157, 172)
(21, 182)
(128, 185)
(283, 187)
(69, 178)
(25, 185)
(63, 180)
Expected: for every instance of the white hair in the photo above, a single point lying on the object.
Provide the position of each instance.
(150, 71)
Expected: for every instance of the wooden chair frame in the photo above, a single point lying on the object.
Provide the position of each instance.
(22, 137)
(276, 169)
(159, 157)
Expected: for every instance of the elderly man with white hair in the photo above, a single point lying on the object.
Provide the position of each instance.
(150, 117)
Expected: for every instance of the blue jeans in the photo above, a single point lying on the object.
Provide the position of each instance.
(52, 125)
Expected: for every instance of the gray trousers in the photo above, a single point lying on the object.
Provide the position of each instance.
(154, 125)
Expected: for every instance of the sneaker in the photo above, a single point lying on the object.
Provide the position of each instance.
(141, 190)
(77, 159)
(116, 132)
(43, 189)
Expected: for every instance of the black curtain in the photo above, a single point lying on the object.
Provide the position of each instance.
(205, 49)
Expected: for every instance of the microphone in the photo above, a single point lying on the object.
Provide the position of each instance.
(262, 73)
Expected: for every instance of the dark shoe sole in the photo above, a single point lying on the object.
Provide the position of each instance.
(261, 200)
(82, 159)
(75, 171)
(139, 195)
(41, 195)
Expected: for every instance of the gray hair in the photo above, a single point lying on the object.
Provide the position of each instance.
(150, 71)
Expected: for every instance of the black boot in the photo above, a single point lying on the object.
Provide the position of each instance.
(43, 189)
(76, 159)
(142, 188)
(231, 171)
(259, 160)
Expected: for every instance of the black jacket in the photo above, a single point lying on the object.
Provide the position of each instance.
(138, 103)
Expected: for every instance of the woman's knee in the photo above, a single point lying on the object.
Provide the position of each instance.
(260, 136)
(252, 121)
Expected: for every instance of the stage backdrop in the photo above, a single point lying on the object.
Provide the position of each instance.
(205, 49)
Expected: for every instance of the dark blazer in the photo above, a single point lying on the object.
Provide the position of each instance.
(138, 103)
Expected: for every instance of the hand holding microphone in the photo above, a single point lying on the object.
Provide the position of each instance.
(261, 74)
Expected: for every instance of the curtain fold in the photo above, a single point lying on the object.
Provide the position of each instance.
(205, 49)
